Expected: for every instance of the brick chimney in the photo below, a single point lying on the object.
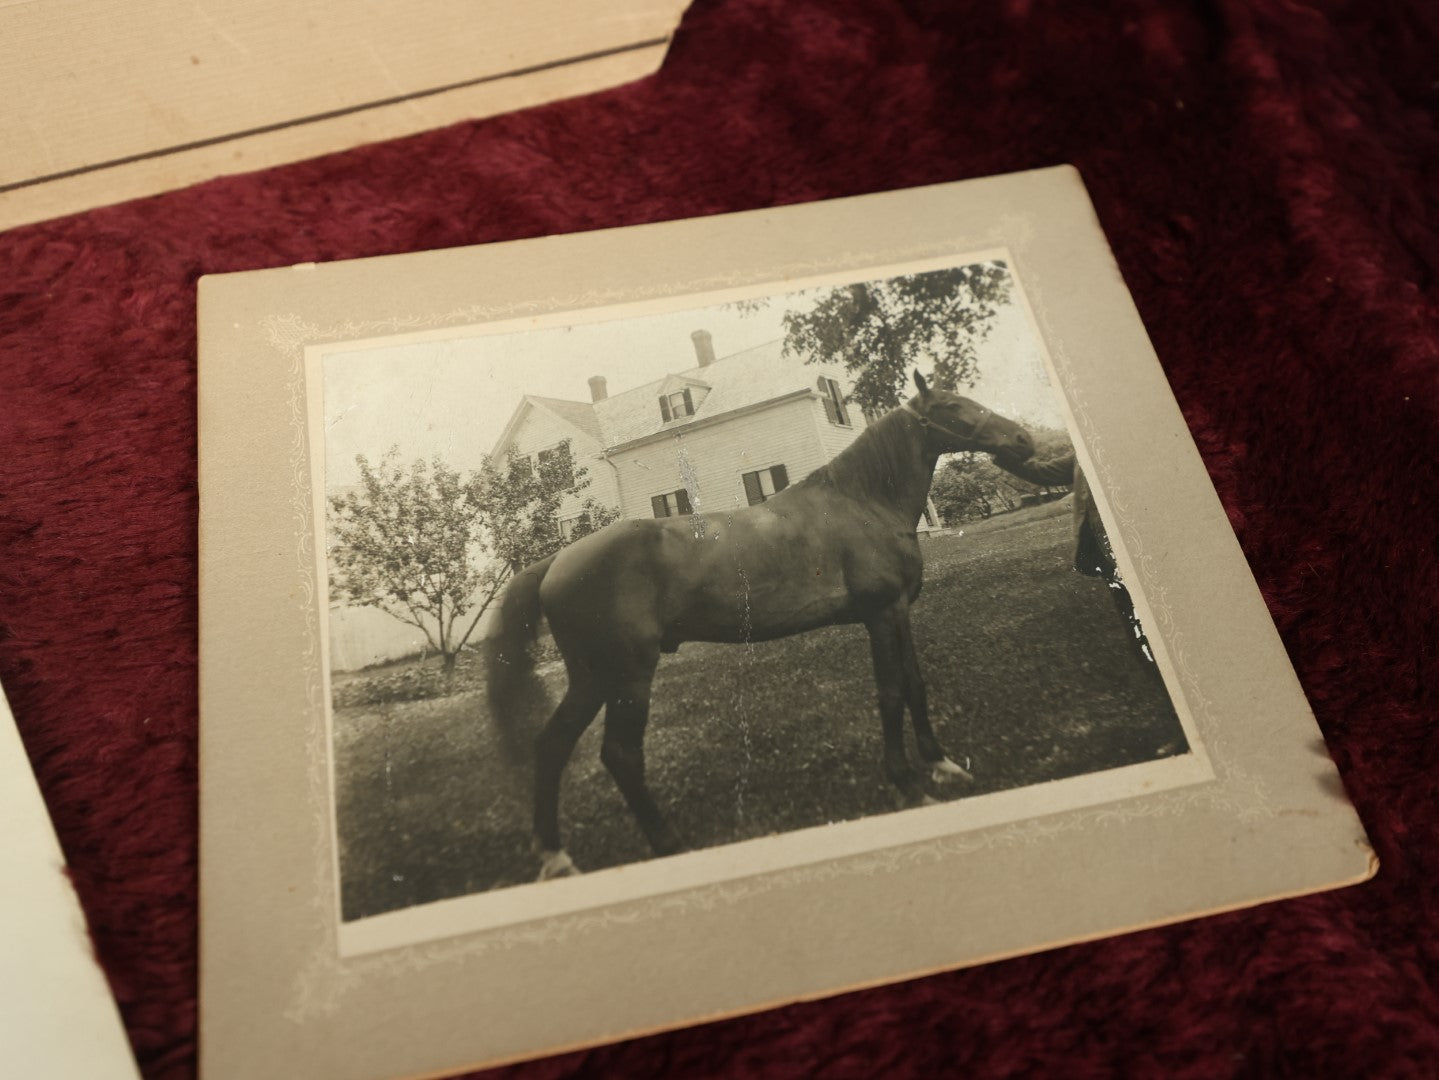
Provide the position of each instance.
(598, 390)
(704, 347)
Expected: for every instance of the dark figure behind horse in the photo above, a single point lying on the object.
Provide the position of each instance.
(839, 547)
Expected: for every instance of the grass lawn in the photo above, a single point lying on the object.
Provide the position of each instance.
(1031, 674)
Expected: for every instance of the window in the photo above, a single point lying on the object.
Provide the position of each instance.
(672, 504)
(760, 485)
(567, 528)
(544, 457)
(680, 403)
(834, 406)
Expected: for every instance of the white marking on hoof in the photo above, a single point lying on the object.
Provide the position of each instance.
(555, 864)
(945, 770)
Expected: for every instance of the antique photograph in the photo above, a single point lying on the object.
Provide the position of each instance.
(654, 582)
(597, 629)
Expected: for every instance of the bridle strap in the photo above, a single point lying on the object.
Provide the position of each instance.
(984, 418)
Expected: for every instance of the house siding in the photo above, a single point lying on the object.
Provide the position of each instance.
(715, 458)
(541, 430)
(835, 437)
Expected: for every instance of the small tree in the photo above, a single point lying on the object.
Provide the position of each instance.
(433, 549)
(958, 493)
(970, 486)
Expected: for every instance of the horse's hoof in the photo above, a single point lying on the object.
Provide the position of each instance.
(556, 864)
(927, 800)
(944, 770)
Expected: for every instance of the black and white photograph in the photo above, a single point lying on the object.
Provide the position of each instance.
(650, 582)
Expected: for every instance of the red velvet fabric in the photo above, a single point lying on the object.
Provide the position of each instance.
(1267, 175)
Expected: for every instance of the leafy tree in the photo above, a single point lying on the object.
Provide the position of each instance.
(955, 496)
(971, 485)
(433, 548)
(881, 329)
(961, 494)
(519, 511)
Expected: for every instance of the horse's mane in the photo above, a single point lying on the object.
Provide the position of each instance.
(870, 467)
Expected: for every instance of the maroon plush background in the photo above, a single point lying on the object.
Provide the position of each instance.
(1267, 174)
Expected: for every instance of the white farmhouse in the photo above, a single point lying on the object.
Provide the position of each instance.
(725, 433)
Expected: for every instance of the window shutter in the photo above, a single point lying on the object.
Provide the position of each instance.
(833, 402)
(682, 500)
(839, 404)
(752, 490)
(657, 504)
(689, 403)
(780, 475)
(665, 409)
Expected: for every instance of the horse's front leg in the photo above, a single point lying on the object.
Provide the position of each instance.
(942, 767)
(886, 645)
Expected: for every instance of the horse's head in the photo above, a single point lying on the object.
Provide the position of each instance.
(953, 423)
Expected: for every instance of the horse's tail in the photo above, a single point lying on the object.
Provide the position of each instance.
(517, 697)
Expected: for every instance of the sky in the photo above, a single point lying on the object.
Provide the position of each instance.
(453, 396)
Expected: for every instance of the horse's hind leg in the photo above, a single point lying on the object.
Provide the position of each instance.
(626, 715)
(941, 766)
(553, 746)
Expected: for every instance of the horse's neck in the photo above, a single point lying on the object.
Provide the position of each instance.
(912, 487)
(889, 465)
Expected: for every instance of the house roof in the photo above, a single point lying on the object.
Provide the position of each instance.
(738, 381)
(581, 414)
(735, 382)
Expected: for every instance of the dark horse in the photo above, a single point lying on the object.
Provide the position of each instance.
(839, 547)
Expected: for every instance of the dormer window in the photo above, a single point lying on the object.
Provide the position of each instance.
(680, 403)
(681, 397)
